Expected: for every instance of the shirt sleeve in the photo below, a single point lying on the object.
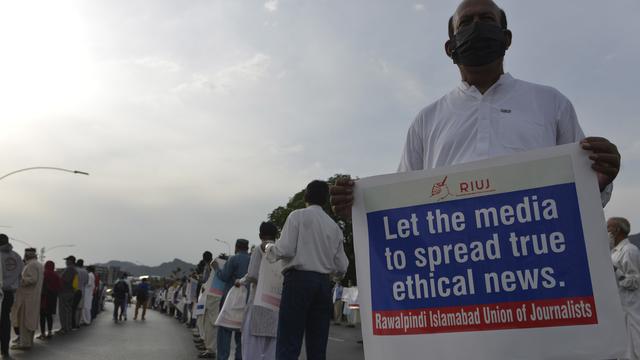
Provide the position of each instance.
(341, 261)
(254, 267)
(20, 263)
(629, 274)
(29, 276)
(569, 131)
(227, 270)
(285, 247)
(413, 152)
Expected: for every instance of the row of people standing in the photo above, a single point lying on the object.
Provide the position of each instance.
(81, 295)
(176, 297)
(30, 294)
(310, 254)
(216, 278)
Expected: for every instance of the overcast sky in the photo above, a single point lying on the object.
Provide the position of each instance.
(197, 118)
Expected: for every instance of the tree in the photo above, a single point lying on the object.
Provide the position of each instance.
(279, 215)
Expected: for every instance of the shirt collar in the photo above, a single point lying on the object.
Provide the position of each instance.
(505, 79)
(621, 244)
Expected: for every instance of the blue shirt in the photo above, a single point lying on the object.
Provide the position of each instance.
(142, 290)
(235, 268)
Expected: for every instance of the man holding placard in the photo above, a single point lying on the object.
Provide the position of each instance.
(490, 113)
(469, 258)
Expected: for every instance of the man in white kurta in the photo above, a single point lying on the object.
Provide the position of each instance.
(260, 324)
(490, 113)
(88, 298)
(626, 263)
(25, 313)
(311, 248)
(212, 309)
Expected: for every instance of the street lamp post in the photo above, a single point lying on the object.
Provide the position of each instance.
(224, 242)
(44, 168)
(78, 172)
(21, 241)
(42, 249)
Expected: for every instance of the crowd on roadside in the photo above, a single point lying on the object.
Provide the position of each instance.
(346, 307)
(32, 293)
(267, 307)
(268, 297)
(225, 296)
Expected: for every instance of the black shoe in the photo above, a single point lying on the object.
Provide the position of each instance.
(207, 355)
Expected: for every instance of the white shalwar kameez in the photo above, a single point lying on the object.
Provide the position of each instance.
(626, 262)
(88, 299)
(511, 116)
(259, 327)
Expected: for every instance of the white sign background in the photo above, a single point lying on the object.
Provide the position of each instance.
(269, 288)
(604, 340)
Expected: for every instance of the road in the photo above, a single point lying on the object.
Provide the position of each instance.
(159, 337)
(343, 344)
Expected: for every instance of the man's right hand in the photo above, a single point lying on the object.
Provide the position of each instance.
(342, 197)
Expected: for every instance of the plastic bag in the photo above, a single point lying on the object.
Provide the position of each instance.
(232, 312)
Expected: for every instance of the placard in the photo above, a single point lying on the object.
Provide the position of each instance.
(269, 287)
(216, 286)
(504, 258)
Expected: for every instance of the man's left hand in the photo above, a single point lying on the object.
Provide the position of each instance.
(605, 157)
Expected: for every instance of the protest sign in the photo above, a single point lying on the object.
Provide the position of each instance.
(350, 297)
(504, 258)
(269, 287)
(200, 305)
(216, 286)
(232, 311)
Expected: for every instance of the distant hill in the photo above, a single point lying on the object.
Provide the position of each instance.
(164, 270)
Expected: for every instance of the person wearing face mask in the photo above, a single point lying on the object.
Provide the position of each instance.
(626, 264)
(490, 113)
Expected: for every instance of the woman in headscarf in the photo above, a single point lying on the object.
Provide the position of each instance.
(49, 299)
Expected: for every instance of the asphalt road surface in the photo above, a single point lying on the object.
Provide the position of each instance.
(159, 337)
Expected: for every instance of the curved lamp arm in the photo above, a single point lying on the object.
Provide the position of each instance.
(44, 168)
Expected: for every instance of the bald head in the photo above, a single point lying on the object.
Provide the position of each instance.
(476, 10)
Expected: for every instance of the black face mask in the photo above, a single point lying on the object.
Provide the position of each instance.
(478, 44)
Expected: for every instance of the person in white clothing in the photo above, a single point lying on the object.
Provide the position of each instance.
(311, 247)
(490, 113)
(88, 296)
(626, 264)
(260, 324)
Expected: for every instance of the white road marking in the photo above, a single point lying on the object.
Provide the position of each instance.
(335, 339)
